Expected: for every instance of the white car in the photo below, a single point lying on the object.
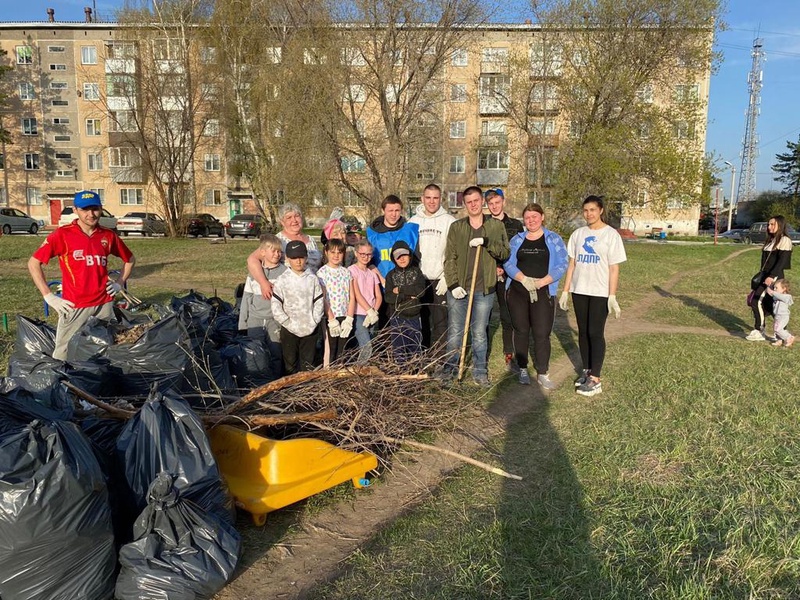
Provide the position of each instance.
(68, 215)
(141, 222)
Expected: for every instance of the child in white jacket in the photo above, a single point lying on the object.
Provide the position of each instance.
(781, 301)
(298, 305)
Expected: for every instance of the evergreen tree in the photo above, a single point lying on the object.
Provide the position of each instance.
(788, 169)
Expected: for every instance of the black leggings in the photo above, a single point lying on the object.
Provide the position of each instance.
(591, 313)
(526, 316)
(762, 306)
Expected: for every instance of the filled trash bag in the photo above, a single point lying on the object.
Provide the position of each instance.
(56, 540)
(92, 341)
(20, 402)
(249, 361)
(32, 360)
(160, 355)
(207, 372)
(167, 436)
(179, 552)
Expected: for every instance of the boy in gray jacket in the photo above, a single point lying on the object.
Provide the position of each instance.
(298, 306)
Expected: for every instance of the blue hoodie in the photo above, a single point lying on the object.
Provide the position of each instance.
(557, 266)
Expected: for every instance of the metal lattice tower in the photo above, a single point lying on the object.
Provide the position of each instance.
(747, 174)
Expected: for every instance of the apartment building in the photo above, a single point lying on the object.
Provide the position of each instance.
(71, 117)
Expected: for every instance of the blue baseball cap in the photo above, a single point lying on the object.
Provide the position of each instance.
(493, 191)
(85, 199)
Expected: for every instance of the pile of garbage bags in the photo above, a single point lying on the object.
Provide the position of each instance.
(100, 508)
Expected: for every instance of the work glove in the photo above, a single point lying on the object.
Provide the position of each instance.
(63, 307)
(441, 287)
(613, 306)
(371, 318)
(334, 328)
(113, 288)
(347, 327)
(563, 301)
(475, 242)
(529, 283)
(534, 295)
(459, 293)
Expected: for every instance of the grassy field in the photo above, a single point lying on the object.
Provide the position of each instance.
(680, 481)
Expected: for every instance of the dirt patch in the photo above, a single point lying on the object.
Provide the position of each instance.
(654, 470)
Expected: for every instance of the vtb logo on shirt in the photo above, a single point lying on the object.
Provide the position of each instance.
(91, 260)
(591, 256)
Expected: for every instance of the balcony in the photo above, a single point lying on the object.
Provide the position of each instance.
(120, 65)
(127, 174)
(493, 140)
(492, 105)
(494, 66)
(121, 103)
(492, 177)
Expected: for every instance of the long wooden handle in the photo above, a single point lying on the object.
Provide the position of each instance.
(469, 312)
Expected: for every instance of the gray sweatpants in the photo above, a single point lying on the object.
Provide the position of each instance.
(780, 327)
(69, 326)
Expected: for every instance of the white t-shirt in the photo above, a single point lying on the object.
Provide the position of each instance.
(594, 250)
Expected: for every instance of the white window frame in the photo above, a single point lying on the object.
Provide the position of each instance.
(686, 92)
(93, 127)
(59, 85)
(353, 57)
(88, 55)
(123, 157)
(94, 161)
(24, 55)
(458, 130)
(213, 197)
(60, 120)
(27, 91)
(56, 49)
(497, 56)
(211, 128)
(58, 67)
(458, 92)
(30, 126)
(353, 164)
(100, 192)
(212, 162)
(455, 200)
(459, 57)
(60, 138)
(31, 161)
(33, 196)
(357, 93)
(493, 160)
(392, 92)
(645, 94)
(91, 91)
(125, 196)
(273, 55)
(122, 121)
(64, 173)
(208, 55)
(458, 164)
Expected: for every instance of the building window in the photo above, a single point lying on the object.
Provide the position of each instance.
(686, 92)
(352, 200)
(121, 50)
(675, 204)
(641, 199)
(459, 57)
(123, 157)
(684, 131)
(455, 199)
(543, 197)
(88, 55)
(2, 162)
(120, 86)
(58, 67)
(353, 57)
(63, 156)
(29, 126)
(208, 55)
(457, 164)
(55, 48)
(31, 161)
(543, 127)
(121, 121)
(62, 138)
(209, 92)
(495, 56)
(312, 56)
(64, 173)
(100, 192)
(358, 93)
(27, 91)
(273, 55)
(94, 161)
(645, 94)
(211, 128)
(458, 92)
(92, 126)
(24, 55)
(91, 91)
(60, 120)
(495, 160)
(212, 162)
(392, 92)
(59, 103)
(129, 196)
(58, 85)
(547, 59)
(353, 164)
(458, 129)
(33, 196)
(213, 198)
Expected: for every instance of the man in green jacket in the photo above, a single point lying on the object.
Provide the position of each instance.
(475, 237)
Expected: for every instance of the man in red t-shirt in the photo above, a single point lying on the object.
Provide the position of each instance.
(82, 248)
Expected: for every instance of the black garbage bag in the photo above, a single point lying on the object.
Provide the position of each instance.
(207, 372)
(24, 404)
(56, 540)
(129, 319)
(225, 327)
(92, 341)
(180, 552)
(160, 355)
(195, 311)
(167, 435)
(249, 362)
(32, 360)
(92, 376)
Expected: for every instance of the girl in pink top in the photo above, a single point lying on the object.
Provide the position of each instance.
(367, 288)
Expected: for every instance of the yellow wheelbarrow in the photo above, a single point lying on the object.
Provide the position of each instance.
(265, 474)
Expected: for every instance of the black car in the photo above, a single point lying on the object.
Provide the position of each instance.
(245, 225)
(758, 234)
(204, 225)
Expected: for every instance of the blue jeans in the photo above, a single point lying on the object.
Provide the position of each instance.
(364, 337)
(406, 336)
(479, 321)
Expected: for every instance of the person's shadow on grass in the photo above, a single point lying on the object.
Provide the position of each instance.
(720, 316)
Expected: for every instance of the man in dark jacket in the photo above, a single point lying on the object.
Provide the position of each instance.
(405, 285)
(476, 237)
(496, 203)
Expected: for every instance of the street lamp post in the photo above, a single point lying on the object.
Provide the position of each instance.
(730, 201)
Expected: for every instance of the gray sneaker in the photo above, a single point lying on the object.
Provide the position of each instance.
(582, 378)
(524, 377)
(545, 382)
(592, 387)
(481, 380)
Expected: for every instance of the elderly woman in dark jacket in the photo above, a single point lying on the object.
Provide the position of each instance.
(776, 256)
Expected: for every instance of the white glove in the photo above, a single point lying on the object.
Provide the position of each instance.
(475, 242)
(371, 318)
(529, 283)
(347, 327)
(334, 328)
(113, 288)
(58, 304)
(459, 293)
(563, 302)
(534, 295)
(441, 287)
(613, 306)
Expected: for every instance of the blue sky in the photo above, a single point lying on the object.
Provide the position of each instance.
(777, 22)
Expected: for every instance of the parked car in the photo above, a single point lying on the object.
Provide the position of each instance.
(141, 222)
(734, 235)
(244, 225)
(757, 234)
(204, 225)
(12, 219)
(68, 216)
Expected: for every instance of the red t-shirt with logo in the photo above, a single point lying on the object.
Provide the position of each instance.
(84, 261)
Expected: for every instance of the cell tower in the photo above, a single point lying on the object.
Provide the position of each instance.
(747, 174)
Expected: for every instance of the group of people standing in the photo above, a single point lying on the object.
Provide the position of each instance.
(424, 278)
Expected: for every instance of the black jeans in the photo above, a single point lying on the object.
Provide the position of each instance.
(434, 318)
(298, 352)
(591, 313)
(526, 316)
(505, 319)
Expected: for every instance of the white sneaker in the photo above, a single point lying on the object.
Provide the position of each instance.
(755, 336)
(545, 382)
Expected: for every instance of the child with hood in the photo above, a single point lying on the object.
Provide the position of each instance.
(405, 285)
